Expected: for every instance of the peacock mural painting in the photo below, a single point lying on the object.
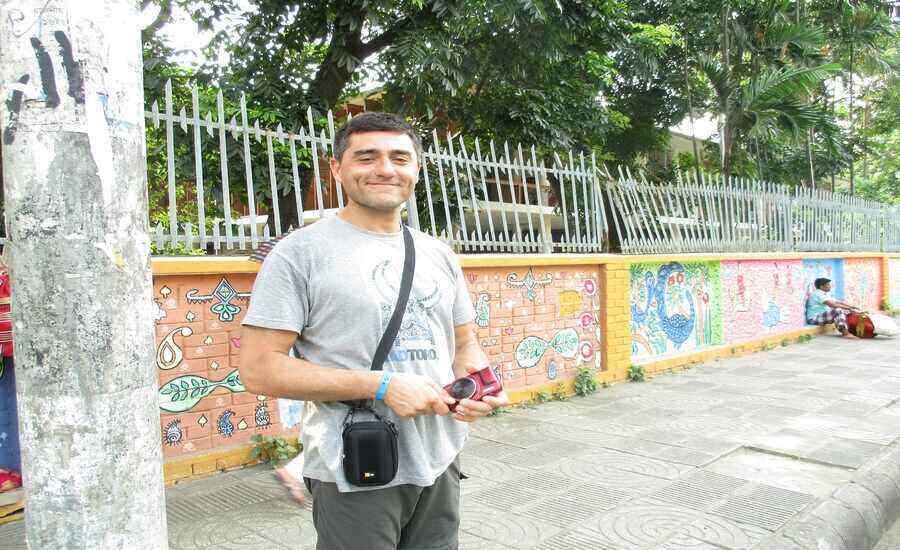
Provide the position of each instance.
(675, 308)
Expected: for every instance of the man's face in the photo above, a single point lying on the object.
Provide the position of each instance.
(378, 170)
(827, 287)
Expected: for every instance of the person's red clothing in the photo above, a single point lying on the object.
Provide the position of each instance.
(6, 343)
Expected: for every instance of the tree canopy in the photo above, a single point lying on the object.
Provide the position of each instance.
(803, 90)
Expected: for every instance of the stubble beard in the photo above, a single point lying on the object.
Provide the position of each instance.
(370, 201)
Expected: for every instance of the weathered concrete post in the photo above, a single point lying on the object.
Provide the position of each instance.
(76, 205)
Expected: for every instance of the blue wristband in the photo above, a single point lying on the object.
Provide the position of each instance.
(383, 387)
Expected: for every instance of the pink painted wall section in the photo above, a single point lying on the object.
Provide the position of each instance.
(894, 278)
(537, 324)
(862, 282)
(762, 298)
(203, 404)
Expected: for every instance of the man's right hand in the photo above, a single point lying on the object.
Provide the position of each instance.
(410, 395)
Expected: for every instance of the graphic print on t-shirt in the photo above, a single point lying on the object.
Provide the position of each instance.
(415, 339)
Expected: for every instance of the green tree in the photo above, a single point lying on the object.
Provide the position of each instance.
(762, 75)
(859, 36)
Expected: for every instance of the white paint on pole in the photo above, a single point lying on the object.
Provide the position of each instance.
(76, 204)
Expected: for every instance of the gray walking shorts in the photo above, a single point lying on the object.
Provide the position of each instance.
(405, 517)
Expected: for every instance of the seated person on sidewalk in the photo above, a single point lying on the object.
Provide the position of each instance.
(821, 309)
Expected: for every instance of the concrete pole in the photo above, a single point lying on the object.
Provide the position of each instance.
(74, 171)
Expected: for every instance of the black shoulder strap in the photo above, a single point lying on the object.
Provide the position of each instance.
(387, 339)
(409, 268)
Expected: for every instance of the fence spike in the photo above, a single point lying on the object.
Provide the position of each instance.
(256, 131)
(331, 132)
(154, 114)
(216, 234)
(242, 240)
(159, 237)
(182, 119)
(235, 131)
(209, 124)
(188, 235)
(279, 134)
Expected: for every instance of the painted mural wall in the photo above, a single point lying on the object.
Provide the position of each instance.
(203, 404)
(828, 268)
(675, 308)
(537, 324)
(862, 282)
(762, 298)
(894, 278)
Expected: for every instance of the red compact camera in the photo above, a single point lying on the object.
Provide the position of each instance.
(474, 386)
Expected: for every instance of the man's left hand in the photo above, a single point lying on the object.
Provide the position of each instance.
(469, 411)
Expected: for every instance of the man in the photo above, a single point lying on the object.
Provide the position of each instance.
(329, 291)
(821, 309)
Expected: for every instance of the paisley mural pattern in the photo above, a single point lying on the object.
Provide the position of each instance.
(674, 308)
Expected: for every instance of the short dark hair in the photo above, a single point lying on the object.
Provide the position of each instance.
(820, 282)
(374, 121)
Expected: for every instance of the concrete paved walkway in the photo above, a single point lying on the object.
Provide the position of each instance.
(794, 448)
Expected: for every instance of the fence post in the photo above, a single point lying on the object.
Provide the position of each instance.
(76, 200)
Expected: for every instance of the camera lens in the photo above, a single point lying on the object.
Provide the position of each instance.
(462, 388)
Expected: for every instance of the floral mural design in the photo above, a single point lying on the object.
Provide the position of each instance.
(862, 282)
(675, 308)
(762, 298)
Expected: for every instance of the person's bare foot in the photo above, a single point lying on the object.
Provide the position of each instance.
(293, 485)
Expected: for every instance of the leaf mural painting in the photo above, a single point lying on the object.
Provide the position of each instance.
(532, 348)
(183, 393)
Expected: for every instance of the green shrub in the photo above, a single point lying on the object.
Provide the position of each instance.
(636, 373)
(273, 449)
(585, 382)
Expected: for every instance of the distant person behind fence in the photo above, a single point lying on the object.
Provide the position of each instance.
(821, 309)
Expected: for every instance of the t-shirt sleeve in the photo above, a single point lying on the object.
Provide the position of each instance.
(463, 311)
(279, 299)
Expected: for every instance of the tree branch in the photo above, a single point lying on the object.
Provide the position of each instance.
(389, 36)
(165, 15)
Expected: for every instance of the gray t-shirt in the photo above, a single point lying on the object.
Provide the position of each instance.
(336, 286)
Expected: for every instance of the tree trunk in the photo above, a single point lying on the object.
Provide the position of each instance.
(852, 127)
(727, 136)
(687, 84)
(809, 156)
(725, 144)
(76, 204)
(833, 115)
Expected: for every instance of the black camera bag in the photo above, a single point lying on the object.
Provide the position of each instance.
(370, 453)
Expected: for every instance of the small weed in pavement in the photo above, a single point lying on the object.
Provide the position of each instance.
(559, 392)
(636, 373)
(585, 382)
(273, 449)
(498, 411)
(542, 396)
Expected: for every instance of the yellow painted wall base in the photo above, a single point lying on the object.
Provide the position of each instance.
(204, 464)
(528, 395)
